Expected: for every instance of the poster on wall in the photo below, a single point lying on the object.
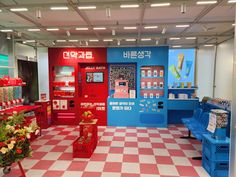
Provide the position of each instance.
(181, 68)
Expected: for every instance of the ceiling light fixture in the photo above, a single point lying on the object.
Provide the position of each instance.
(53, 43)
(130, 27)
(86, 43)
(59, 8)
(150, 27)
(146, 39)
(38, 14)
(19, 34)
(86, 7)
(68, 33)
(163, 30)
(52, 29)
(81, 29)
(174, 38)
(183, 8)
(6, 30)
(129, 6)
(160, 4)
(157, 42)
(208, 45)
(191, 38)
(231, 1)
(205, 2)
(33, 29)
(99, 28)
(0, 10)
(177, 46)
(118, 42)
(182, 26)
(130, 40)
(107, 40)
(93, 40)
(18, 9)
(29, 41)
(108, 12)
(113, 32)
(61, 40)
(233, 24)
(8, 36)
(73, 40)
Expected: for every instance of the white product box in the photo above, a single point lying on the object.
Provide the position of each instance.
(143, 73)
(154, 73)
(154, 84)
(161, 85)
(149, 73)
(132, 93)
(149, 85)
(145, 95)
(143, 85)
(157, 95)
(151, 95)
(161, 73)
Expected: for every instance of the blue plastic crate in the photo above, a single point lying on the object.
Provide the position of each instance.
(215, 150)
(215, 168)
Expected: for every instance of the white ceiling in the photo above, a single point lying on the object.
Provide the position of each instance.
(211, 24)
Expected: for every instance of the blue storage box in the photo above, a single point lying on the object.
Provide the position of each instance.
(215, 150)
(214, 168)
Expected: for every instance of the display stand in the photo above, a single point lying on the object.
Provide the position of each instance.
(45, 111)
(21, 169)
(84, 146)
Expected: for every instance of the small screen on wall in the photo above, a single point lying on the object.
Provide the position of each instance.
(94, 77)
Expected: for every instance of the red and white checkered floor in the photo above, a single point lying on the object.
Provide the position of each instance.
(121, 152)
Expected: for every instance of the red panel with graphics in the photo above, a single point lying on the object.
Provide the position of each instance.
(77, 76)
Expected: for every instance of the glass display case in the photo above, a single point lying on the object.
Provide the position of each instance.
(152, 81)
(64, 82)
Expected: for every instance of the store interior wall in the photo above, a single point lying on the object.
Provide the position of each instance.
(24, 51)
(43, 75)
(224, 70)
(205, 71)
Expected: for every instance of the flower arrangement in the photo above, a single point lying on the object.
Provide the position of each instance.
(15, 133)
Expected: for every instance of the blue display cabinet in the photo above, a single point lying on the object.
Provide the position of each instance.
(146, 70)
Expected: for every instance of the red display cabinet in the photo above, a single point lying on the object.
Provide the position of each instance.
(45, 113)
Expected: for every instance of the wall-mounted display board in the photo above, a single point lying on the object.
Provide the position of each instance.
(137, 110)
(79, 76)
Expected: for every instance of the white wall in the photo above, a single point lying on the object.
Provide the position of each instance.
(43, 71)
(205, 71)
(224, 70)
(24, 50)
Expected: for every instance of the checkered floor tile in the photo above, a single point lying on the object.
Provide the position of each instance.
(121, 152)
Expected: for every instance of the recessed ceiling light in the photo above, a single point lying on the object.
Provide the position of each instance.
(73, 40)
(146, 39)
(182, 26)
(150, 27)
(59, 8)
(205, 2)
(107, 40)
(81, 29)
(86, 7)
(160, 4)
(129, 6)
(99, 28)
(208, 45)
(231, 1)
(190, 38)
(233, 24)
(61, 40)
(18, 9)
(33, 29)
(0, 10)
(6, 30)
(130, 40)
(177, 46)
(28, 41)
(174, 38)
(52, 29)
(130, 27)
(93, 40)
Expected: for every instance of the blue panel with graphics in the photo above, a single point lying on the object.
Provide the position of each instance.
(139, 111)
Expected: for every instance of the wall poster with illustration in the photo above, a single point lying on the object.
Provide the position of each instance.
(181, 67)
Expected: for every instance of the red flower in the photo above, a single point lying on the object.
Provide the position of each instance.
(2, 144)
(18, 151)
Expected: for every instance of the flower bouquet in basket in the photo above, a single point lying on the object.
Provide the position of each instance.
(87, 116)
(15, 139)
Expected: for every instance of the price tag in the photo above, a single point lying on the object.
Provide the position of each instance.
(212, 123)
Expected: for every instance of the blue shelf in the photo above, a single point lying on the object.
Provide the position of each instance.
(193, 88)
(152, 88)
(152, 77)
